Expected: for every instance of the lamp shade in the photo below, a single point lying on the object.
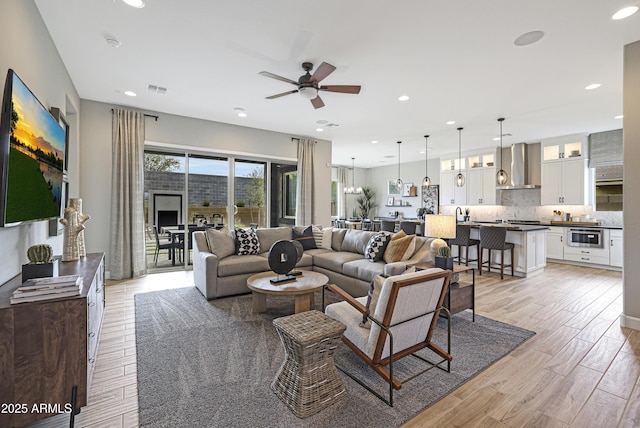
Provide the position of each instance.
(440, 226)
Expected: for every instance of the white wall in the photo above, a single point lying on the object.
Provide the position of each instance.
(196, 134)
(30, 52)
(631, 203)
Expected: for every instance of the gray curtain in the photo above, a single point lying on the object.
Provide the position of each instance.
(127, 249)
(305, 187)
(343, 174)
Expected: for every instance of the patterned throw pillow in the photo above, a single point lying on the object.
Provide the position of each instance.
(400, 247)
(247, 242)
(374, 250)
(372, 300)
(305, 238)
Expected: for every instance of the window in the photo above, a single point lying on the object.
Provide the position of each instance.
(334, 197)
(289, 184)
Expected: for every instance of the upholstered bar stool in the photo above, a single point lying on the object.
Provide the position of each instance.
(493, 238)
(463, 239)
(387, 225)
(409, 227)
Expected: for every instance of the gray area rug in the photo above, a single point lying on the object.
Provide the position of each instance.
(210, 364)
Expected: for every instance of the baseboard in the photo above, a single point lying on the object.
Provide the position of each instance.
(630, 322)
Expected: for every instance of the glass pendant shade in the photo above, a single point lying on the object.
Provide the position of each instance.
(426, 181)
(501, 176)
(459, 177)
(399, 183)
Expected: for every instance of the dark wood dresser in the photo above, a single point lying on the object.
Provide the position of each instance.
(48, 348)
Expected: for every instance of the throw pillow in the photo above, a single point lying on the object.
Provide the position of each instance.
(327, 234)
(400, 247)
(220, 242)
(305, 238)
(317, 234)
(374, 251)
(247, 242)
(372, 300)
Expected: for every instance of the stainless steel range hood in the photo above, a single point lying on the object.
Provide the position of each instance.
(522, 175)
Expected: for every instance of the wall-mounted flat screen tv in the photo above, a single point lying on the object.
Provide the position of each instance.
(32, 145)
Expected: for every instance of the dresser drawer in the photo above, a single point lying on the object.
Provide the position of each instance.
(586, 258)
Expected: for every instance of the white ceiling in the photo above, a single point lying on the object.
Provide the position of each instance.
(455, 59)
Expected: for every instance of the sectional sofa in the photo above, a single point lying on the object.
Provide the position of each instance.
(339, 255)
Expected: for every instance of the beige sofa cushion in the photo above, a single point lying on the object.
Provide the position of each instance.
(334, 261)
(363, 269)
(220, 242)
(268, 236)
(355, 241)
(336, 239)
(235, 265)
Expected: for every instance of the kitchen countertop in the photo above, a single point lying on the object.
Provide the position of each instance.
(600, 226)
(510, 227)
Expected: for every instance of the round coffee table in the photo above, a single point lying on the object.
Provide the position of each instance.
(302, 289)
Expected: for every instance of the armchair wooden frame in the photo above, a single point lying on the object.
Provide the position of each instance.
(380, 364)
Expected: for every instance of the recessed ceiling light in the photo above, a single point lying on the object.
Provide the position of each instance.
(403, 97)
(319, 129)
(240, 112)
(620, 116)
(451, 122)
(528, 38)
(625, 12)
(135, 3)
(592, 86)
(422, 152)
(374, 142)
(130, 93)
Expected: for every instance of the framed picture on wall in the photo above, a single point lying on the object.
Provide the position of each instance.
(393, 188)
(406, 191)
(390, 201)
(430, 197)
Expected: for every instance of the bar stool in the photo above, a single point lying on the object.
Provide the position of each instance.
(493, 238)
(387, 225)
(463, 239)
(409, 227)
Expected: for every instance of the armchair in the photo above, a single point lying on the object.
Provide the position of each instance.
(403, 323)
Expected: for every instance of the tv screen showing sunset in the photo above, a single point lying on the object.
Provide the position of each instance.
(36, 157)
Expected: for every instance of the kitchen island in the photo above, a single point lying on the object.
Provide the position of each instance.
(529, 246)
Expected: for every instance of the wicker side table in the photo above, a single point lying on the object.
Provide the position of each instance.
(308, 380)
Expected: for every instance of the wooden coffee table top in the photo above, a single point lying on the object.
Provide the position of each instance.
(306, 283)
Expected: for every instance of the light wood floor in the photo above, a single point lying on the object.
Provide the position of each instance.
(580, 370)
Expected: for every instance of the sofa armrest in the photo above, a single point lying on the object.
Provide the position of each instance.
(205, 271)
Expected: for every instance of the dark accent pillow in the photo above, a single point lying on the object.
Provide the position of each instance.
(374, 250)
(305, 238)
(247, 242)
(372, 300)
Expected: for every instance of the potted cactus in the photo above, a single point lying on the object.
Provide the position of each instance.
(444, 260)
(41, 263)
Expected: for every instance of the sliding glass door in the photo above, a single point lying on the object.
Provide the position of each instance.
(250, 193)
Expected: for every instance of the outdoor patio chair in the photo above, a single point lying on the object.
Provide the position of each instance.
(173, 247)
(402, 323)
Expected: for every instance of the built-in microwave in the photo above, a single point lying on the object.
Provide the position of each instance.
(585, 238)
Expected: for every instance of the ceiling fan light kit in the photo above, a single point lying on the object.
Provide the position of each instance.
(459, 177)
(501, 177)
(308, 84)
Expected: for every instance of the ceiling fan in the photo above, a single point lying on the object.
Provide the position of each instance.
(308, 84)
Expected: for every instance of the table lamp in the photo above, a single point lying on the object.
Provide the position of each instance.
(439, 226)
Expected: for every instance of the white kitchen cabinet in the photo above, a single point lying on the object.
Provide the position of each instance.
(481, 184)
(616, 248)
(591, 255)
(566, 147)
(536, 251)
(450, 194)
(555, 243)
(564, 182)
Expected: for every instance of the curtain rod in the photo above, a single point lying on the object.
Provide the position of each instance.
(298, 139)
(145, 115)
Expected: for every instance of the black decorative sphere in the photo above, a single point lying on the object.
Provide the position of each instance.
(283, 256)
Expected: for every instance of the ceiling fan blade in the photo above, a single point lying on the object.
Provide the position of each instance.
(322, 71)
(345, 89)
(282, 94)
(317, 102)
(275, 76)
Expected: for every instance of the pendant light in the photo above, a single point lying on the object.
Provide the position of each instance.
(459, 177)
(399, 183)
(501, 177)
(426, 181)
(353, 190)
